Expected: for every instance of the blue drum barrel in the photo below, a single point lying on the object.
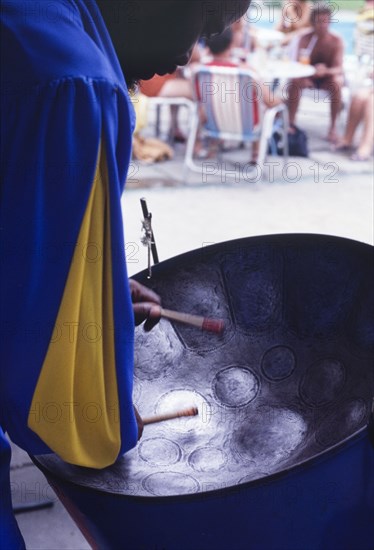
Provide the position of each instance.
(281, 455)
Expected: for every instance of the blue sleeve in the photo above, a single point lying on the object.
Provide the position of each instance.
(62, 97)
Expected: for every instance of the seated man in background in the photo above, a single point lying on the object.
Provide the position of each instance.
(325, 51)
(221, 51)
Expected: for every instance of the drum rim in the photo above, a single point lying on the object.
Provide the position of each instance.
(293, 238)
(339, 447)
(358, 435)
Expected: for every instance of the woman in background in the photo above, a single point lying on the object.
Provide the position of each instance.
(361, 112)
(295, 19)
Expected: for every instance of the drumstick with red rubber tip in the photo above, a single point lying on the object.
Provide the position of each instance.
(204, 323)
(192, 411)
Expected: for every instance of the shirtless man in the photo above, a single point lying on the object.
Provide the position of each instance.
(326, 56)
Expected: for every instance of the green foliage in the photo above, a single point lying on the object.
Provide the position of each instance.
(353, 5)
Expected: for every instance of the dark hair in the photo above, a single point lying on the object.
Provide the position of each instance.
(320, 9)
(220, 43)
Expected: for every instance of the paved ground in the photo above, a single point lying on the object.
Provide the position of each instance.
(323, 194)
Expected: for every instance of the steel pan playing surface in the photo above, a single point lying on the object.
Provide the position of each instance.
(290, 377)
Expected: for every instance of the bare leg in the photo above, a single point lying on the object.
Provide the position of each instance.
(176, 87)
(175, 131)
(361, 101)
(332, 136)
(366, 145)
(355, 116)
(255, 148)
(334, 86)
(294, 94)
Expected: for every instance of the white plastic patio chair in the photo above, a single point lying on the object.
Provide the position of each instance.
(226, 96)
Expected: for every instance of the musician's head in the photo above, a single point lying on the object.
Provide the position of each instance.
(156, 36)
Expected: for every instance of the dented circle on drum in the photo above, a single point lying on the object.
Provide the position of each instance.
(159, 451)
(235, 386)
(278, 362)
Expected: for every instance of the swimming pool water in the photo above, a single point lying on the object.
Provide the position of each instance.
(344, 28)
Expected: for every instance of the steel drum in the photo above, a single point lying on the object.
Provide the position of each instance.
(280, 455)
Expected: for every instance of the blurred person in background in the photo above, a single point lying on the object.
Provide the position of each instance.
(222, 53)
(177, 84)
(361, 113)
(244, 39)
(295, 19)
(364, 31)
(325, 51)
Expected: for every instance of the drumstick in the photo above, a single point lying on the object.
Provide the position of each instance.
(193, 411)
(210, 325)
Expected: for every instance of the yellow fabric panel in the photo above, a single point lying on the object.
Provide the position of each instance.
(140, 103)
(74, 408)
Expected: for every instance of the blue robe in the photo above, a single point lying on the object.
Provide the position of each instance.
(66, 130)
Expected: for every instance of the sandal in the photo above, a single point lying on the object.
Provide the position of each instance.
(356, 157)
(179, 138)
(343, 149)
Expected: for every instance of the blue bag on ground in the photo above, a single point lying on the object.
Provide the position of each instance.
(297, 144)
